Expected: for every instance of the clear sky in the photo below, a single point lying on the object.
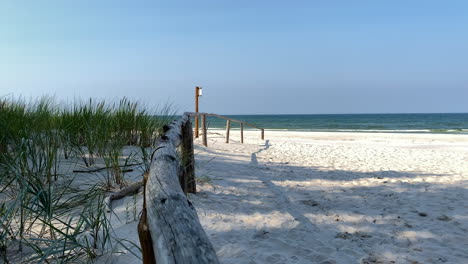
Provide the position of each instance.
(251, 57)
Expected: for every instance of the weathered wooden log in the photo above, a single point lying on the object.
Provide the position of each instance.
(205, 139)
(173, 134)
(228, 128)
(242, 132)
(175, 229)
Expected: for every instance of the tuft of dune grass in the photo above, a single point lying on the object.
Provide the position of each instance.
(43, 217)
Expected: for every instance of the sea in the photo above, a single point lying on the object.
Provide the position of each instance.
(456, 123)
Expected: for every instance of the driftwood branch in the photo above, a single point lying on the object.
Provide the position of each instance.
(106, 168)
(129, 190)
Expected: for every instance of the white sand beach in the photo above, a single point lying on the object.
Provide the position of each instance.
(320, 197)
(310, 197)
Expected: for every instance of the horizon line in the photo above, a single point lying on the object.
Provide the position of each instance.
(388, 113)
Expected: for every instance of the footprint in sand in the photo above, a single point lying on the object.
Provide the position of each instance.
(310, 203)
(276, 258)
(262, 234)
(444, 218)
(353, 236)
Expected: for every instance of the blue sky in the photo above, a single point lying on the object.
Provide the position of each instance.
(251, 57)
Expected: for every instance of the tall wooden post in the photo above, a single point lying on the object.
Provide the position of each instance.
(196, 111)
(263, 134)
(242, 132)
(228, 127)
(205, 139)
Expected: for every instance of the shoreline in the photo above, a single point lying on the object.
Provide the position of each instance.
(415, 131)
(278, 133)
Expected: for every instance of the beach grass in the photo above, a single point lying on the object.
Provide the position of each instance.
(43, 217)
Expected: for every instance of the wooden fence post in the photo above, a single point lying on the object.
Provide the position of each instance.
(196, 111)
(196, 126)
(242, 132)
(188, 160)
(205, 139)
(228, 127)
(263, 134)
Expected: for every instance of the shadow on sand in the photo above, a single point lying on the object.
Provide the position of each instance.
(387, 220)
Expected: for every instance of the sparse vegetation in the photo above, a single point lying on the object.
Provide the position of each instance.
(206, 179)
(44, 217)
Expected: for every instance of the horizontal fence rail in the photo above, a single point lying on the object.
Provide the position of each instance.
(228, 126)
(169, 228)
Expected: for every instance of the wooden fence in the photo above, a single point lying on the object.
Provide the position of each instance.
(228, 126)
(169, 229)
